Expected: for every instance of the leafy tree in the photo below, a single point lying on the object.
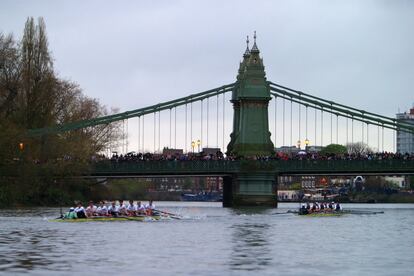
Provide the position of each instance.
(334, 149)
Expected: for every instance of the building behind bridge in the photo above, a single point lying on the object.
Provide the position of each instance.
(405, 140)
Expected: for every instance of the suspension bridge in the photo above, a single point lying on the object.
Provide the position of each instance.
(256, 106)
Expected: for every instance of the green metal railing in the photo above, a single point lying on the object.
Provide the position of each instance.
(211, 167)
(230, 167)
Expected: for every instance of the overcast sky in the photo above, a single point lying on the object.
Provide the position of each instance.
(131, 54)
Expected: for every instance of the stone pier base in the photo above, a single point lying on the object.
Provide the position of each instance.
(250, 189)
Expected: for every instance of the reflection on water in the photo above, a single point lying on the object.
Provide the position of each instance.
(251, 249)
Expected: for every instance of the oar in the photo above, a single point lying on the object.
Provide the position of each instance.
(174, 216)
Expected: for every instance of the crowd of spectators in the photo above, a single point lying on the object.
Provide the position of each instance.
(137, 157)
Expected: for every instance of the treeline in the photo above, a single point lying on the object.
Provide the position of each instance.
(33, 96)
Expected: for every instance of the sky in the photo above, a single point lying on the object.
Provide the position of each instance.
(131, 54)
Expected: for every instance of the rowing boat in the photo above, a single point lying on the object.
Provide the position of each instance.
(120, 218)
(336, 213)
(320, 214)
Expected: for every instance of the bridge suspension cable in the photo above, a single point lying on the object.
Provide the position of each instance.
(322, 127)
(224, 121)
(201, 130)
(342, 110)
(208, 109)
(133, 113)
(217, 122)
(185, 139)
(275, 122)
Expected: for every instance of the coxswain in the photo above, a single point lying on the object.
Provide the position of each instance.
(90, 210)
(71, 214)
(122, 208)
(102, 210)
(303, 210)
(140, 208)
(150, 207)
(113, 210)
(80, 211)
(131, 209)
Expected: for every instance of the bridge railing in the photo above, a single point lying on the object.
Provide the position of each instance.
(231, 167)
(222, 167)
(166, 167)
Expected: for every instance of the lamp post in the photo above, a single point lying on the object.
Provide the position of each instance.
(192, 145)
(21, 148)
(198, 144)
(298, 144)
(306, 143)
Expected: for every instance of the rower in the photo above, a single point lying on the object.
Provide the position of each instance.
(122, 208)
(80, 211)
(140, 208)
(113, 210)
(150, 208)
(71, 214)
(102, 210)
(338, 207)
(90, 210)
(131, 209)
(331, 205)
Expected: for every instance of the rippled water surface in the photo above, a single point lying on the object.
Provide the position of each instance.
(211, 240)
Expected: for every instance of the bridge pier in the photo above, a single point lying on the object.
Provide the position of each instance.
(250, 189)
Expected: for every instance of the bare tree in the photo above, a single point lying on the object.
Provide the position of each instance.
(9, 74)
(358, 148)
(38, 78)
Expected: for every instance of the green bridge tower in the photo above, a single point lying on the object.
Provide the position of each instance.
(250, 136)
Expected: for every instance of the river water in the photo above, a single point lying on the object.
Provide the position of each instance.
(212, 240)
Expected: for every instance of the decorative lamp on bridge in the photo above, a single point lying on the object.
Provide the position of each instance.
(306, 143)
(21, 146)
(198, 144)
(193, 145)
(298, 144)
